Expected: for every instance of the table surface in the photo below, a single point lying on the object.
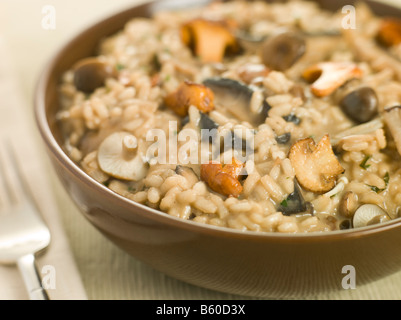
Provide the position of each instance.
(107, 272)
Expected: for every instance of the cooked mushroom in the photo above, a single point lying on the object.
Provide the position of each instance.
(326, 77)
(118, 157)
(295, 203)
(389, 34)
(207, 123)
(91, 73)
(209, 40)
(392, 117)
(235, 98)
(223, 179)
(361, 105)
(282, 51)
(361, 129)
(348, 204)
(369, 214)
(284, 138)
(292, 118)
(190, 94)
(316, 167)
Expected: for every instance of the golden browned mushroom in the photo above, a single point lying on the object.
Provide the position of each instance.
(223, 179)
(118, 157)
(91, 73)
(327, 77)
(316, 167)
(389, 34)
(190, 94)
(209, 40)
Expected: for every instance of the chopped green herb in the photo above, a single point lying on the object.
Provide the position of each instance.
(167, 78)
(333, 196)
(364, 164)
(387, 178)
(120, 66)
(284, 203)
(131, 189)
(106, 183)
(377, 189)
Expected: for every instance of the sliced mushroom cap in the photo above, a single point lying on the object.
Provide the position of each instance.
(361, 105)
(369, 214)
(91, 73)
(236, 98)
(327, 77)
(361, 129)
(282, 51)
(118, 157)
(392, 117)
(316, 166)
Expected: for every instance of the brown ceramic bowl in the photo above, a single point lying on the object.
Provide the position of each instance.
(244, 263)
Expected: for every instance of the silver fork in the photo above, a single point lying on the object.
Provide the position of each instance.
(23, 232)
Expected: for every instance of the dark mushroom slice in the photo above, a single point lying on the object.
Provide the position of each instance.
(208, 128)
(295, 203)
(392, 117)
(235, 98)
(91, 74)
(282, 51)
(284, 138)
(292, 118)
(345, 225)
(361, 105)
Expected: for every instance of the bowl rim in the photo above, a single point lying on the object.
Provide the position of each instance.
(55, 150)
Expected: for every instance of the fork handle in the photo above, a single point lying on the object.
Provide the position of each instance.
(31, 277)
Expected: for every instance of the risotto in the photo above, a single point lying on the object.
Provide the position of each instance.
(245, 115)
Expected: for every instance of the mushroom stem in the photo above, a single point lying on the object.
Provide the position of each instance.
(130, 145)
